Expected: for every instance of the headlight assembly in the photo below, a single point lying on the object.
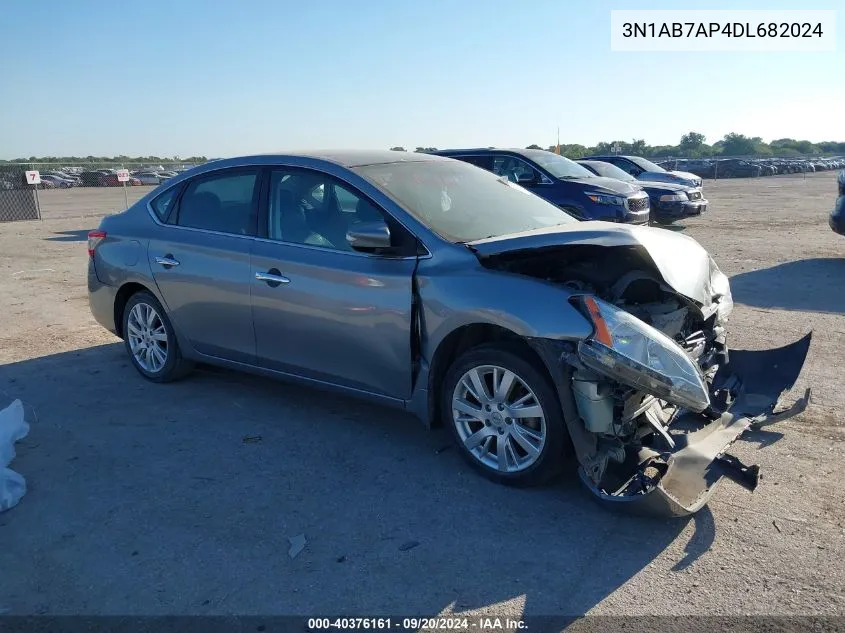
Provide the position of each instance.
(635, 354)
(674, 197)
(601, 198)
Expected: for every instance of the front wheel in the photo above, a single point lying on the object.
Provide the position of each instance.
(504, 415)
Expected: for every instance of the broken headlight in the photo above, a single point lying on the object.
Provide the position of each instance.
(635, 354)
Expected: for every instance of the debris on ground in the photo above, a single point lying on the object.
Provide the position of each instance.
(297, 544)
(13, 427)
(408, 545)
(777, 527)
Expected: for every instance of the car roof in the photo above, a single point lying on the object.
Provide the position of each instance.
(485, 150)
(343, 157)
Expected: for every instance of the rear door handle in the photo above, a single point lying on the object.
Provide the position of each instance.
(273, 278)
(167, 261)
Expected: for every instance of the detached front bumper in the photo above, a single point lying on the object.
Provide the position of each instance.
(678, 481)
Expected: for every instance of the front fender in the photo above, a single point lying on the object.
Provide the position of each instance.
(528, 307)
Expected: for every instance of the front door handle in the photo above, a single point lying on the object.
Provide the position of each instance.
(167, 261)
(273, 278)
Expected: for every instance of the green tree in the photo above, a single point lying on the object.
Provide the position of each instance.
(692, 143)
(737, 145)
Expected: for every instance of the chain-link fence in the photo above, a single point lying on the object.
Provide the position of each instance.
(78, 189)
(17, 198)
(103, 174)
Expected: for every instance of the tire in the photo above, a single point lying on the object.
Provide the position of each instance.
(521, 468)
(664, 221)
(135, 314)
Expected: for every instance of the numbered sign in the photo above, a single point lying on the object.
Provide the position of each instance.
(122, 175)
(33, 177)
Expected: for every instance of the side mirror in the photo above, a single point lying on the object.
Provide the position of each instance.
(369, 236)
(526, 179)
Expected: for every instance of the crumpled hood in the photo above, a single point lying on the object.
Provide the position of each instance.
(682, 262)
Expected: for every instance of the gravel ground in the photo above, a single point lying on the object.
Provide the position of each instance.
(181, 498)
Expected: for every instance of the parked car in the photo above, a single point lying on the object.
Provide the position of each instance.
(643, 169)
(56, 181)
(150, 178)
(74, 180)
(668, 201)
(434, 286)
(562, 182)
(95, 178)
(837, 216)
(737, 168)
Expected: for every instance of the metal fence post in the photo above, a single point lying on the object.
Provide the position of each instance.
(125, 198)
(38, 204)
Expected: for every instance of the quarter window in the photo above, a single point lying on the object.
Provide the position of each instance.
(164, 203)
(224, 203)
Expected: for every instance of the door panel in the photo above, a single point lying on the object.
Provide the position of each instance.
(343, 317)
(207, 293)
(201, 260)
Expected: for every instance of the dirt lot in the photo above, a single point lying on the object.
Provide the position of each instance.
(147, 499)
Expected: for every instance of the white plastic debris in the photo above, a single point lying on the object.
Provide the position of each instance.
(13, 427)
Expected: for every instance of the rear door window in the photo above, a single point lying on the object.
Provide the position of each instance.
(225, 202)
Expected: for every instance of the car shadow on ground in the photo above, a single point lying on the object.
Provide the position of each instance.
(180, 499)
(816, 284)
(69, 236)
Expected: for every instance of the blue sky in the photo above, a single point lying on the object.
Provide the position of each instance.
(221, 78)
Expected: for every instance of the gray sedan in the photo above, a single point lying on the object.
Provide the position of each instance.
(431, 285)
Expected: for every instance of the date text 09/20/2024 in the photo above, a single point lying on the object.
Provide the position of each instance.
(460, 623)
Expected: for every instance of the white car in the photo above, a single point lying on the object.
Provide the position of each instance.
(151, 178)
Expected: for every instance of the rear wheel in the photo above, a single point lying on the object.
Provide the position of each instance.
(504, 415)
(151, 341)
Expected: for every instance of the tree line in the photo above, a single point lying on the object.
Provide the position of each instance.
(694, 145)
(106, 160)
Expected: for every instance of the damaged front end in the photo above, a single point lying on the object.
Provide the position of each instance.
(652, 399)
(663, 399)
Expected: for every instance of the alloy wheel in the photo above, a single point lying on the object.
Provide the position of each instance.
(499, 418)
(147, 337)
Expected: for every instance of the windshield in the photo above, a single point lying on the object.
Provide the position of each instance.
(557, 165)
(608, 171)
(463, 203)
(642, 163)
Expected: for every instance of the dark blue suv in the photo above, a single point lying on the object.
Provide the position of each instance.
(562, 182)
